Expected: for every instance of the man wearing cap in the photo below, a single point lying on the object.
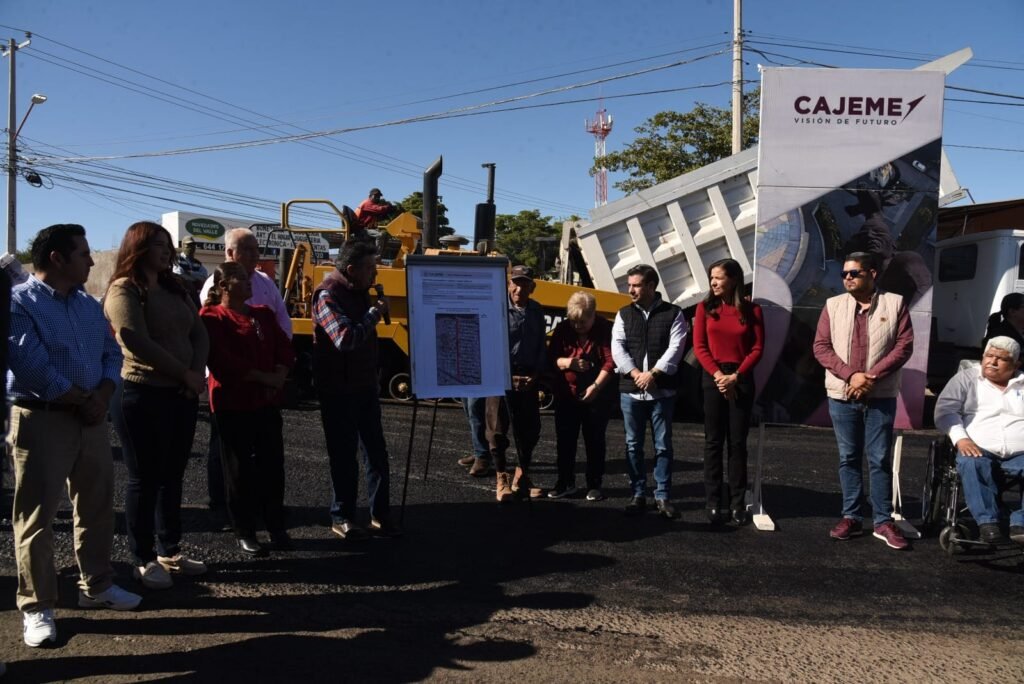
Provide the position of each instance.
(527, 355)
(373, 210)
(191, 270)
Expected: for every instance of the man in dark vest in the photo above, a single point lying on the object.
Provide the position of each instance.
(647, 344)
(345, 373)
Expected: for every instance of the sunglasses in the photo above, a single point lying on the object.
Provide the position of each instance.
(852, 273)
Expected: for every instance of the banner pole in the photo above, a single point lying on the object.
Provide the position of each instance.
(430, 440)
(408, 457)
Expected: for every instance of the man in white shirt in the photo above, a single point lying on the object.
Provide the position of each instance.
(647, 345)
(240, 245)
(982, 411)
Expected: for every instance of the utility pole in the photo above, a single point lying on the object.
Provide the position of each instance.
(737, 76)
(12, 155)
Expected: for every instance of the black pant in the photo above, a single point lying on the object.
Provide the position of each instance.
(349, 419)
(525, 415)
(215, 488)
(726, 421)
(570, 417)
(252, 456)
(160, 424)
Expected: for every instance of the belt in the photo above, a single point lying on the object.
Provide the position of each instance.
(39, 405)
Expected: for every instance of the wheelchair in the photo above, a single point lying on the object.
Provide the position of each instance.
(942, 507)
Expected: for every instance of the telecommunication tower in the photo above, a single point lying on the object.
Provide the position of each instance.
(600, 127)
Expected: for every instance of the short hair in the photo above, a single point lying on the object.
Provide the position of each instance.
(236, 235)
(580, 305)
(226, 271)
(646, 272)
(56, 238)
(1011, 302)
(354, 251)
(867, 260)
(1006, 344)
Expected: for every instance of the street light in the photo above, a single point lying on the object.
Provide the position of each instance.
(12, 171)
(36, 99)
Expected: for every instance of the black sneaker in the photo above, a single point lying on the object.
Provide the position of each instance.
(385, 527)
(349, 531)
(1017, 533)
(595, 495)
(666, 509)
(990, 533)
(636, 506)
(560, 491)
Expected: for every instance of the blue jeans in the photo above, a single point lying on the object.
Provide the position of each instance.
(980, 480)
(476, 412)
(349, 419)
(864, 429)
(635, 415)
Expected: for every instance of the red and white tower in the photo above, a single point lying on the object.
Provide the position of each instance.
(600, 127)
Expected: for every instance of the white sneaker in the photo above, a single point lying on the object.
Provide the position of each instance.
(153, 576)
(182, 565)
(114, 598)
(39, 627)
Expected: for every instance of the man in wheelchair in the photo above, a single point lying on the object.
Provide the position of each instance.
(982, 411)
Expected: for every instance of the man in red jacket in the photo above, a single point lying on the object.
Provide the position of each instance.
(373, 210)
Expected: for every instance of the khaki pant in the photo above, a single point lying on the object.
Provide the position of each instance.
(49, 449)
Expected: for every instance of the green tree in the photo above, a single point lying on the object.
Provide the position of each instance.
(670, 143)
(414, 204)
(517, 235)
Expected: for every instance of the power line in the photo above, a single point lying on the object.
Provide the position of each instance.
(457, 182)
(982, 147)
(452, 181)
(455, 113)
(975, 62)
(860, 52)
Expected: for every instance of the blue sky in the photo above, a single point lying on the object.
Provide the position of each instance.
(326, 66)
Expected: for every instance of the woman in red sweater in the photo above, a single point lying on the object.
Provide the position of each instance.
(249, 360)
(728, 337)
(581, 352)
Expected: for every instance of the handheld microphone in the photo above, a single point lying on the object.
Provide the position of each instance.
(380, 294)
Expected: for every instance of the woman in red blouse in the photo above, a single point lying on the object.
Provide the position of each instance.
(249, 360)
(581, 352)
(728, 337)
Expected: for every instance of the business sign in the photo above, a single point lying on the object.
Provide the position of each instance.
(209, 232)
(849, 161)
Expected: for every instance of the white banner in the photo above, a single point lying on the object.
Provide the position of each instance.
(849, 161)
(822, 128)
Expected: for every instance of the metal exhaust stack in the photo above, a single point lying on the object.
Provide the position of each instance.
(430, 177)
(483, 228)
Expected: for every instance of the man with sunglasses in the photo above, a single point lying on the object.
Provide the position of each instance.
(864, 338)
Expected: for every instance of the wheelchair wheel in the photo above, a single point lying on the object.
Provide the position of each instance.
(950, 537)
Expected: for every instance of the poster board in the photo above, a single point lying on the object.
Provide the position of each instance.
(849, 161)
(458, 326)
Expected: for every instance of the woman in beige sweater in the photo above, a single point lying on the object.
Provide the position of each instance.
(165, 348)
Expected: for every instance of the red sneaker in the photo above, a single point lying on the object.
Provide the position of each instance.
(891, 535)
(847, 527)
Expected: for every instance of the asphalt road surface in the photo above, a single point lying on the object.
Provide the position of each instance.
(544, 591)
